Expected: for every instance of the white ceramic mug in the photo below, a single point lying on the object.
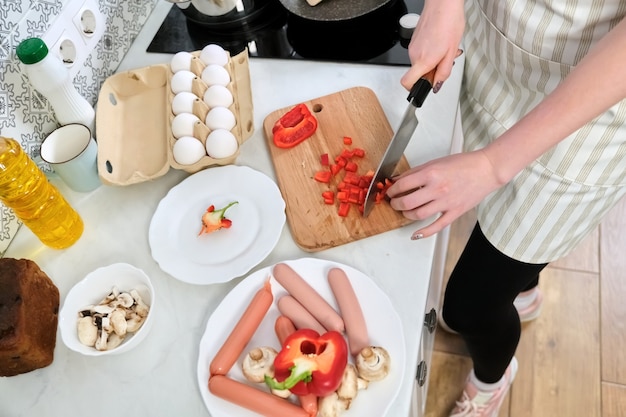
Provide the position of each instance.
(72, 153)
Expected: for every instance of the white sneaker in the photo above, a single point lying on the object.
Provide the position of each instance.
(476, 403)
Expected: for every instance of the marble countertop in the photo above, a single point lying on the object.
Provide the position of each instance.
(158, 378)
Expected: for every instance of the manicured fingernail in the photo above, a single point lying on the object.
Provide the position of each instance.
(437, 86)
(416, 236)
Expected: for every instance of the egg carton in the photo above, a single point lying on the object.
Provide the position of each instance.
(134, 121)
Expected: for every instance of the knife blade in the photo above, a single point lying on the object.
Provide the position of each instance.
(400, 139)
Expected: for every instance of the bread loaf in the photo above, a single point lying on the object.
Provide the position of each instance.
(29, 306)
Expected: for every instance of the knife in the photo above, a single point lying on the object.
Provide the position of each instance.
(401, 139)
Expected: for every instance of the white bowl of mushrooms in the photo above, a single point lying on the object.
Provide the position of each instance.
(108, 312)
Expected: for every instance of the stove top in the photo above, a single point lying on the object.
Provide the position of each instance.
(276, 33)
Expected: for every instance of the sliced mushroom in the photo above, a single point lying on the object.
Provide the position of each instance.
(141, 307)
(87, 331)
(349, 386)
(86, 311)
(114, 341)
(105, 324)
(373, 363)
(101, 342)
(124, 299)
(110, 296)
(134, 323)
(118, 321)
(102, 309)
(331, 406)
(362, 383)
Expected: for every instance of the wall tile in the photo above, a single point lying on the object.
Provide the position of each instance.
(25, 115)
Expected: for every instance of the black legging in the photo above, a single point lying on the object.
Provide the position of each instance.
(478, 304)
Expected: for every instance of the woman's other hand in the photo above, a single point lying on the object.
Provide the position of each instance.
(435, 41)
(449, 186)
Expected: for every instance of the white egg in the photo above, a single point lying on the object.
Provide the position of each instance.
(188, 150)
(214, 54)
(183, 124)
(182, 81)
(215, 75)
(218, 96)
(220, 118)
(181, 61)
(221, 143)
(183, 102)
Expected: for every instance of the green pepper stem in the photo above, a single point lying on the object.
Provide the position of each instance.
(222, 211)
(300, 371)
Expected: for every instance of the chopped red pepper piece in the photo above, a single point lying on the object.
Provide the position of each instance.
(344, 209)
(309, 363)
(323, 176)
(329, 197)
(324, 159)
(346, 154)
(347, 140)
(294, 126)
(351, 166)
(335, 169)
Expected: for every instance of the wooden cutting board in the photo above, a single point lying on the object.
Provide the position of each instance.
(315, 226)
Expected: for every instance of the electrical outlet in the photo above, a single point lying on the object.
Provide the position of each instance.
(75, 33)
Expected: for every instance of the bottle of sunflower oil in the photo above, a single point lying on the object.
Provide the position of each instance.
(36, 202)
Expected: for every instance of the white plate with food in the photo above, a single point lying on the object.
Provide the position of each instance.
(384, 328)
(208, 258)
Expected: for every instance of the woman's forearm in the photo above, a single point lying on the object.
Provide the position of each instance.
(595, 84)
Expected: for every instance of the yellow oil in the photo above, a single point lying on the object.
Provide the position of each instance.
(37, 203)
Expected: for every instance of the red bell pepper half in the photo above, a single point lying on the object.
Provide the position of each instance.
(309, 363)
(294, 126)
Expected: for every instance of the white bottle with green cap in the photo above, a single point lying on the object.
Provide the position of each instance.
(48, 75)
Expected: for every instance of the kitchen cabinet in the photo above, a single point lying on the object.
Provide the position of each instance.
(159, 377)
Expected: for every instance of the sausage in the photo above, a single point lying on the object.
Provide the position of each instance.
(260, 402)
(354, 320)
(299, 289)
(243, 331)
(283, 327)
(299, 316)
(309, 404)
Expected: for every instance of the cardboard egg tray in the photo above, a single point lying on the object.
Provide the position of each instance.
(134, 116)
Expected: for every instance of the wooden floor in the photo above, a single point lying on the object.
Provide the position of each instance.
(572, 359)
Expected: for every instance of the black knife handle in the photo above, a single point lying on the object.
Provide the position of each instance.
(421, 88)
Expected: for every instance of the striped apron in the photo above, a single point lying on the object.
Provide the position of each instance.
(517, 52)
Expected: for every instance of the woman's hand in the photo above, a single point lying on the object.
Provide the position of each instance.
(449, 186)
(435, 41)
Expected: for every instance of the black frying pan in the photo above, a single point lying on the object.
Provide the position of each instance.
(332, 10)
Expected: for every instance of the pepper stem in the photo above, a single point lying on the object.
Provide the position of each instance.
(300, 371)
(223, 210)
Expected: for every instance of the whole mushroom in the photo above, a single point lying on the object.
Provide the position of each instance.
(258, 363)
(373, 363)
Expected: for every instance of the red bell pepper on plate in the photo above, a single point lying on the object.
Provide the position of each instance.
(309, 363)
